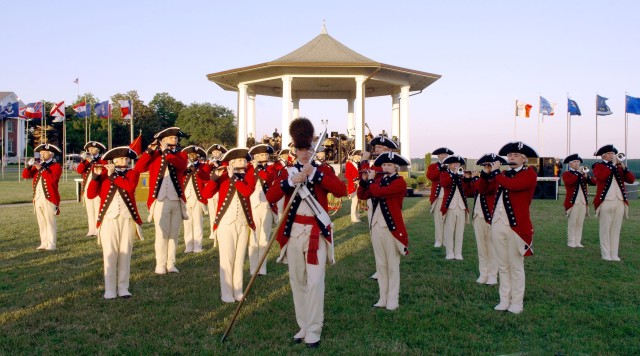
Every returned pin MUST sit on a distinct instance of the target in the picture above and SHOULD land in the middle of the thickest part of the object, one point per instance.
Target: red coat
(222, 185)
(50, 178)
(324, 181)
(102, 186)
(85, 168)
(516, 191)
(433, 174)
(451, 182)
(352, 174)
(387, 194)
(201, 175)
(575, 184)
(485, 188)
(605, 174)
(151, 160)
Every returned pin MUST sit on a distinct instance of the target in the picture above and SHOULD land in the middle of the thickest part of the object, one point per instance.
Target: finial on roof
(324, 28)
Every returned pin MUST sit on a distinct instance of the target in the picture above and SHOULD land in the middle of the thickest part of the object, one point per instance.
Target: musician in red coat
(215, 152)
(46, 197)
(435, 198)
(454, 208)
(233, 222)
(388, 232)
(305, 236)
(118, 220)
(285, 159)
(263, 213)
(511, 228)
(576, 201)
(91, 156)
(195, 177)
(352, 174)
(166, 166)
(611, 200)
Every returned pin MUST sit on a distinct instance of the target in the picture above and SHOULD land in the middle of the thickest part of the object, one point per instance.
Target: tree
(166, 109)
(208, 124)
(143, 119)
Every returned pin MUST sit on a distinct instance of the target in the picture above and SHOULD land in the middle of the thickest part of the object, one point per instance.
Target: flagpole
(131, 113)
(596, 150)
(109, 123)
(626, 125)
(3, 143)
(64, 148)
(515, 122)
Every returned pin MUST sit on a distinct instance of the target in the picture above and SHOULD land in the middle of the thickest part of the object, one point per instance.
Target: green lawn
(575, 303)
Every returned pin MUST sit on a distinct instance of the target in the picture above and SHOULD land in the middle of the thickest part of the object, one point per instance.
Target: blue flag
(602, 108)
(633, 105)
(572, 108)
(10, 110)
(102, 109)
(545, 107)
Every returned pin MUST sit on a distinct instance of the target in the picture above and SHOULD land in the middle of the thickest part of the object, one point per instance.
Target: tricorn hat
(442, 150)
(573, 157)
(454, 159)
(122, 151)
(384, 141)
(216, 147)
(301, 131)
(518, 147)
(285, 151)
(488, 158)
(95, 144)
(604, 149)
(236, 153)
(171, 131)
(195, 149)
(391, 157)
(261, 148)
(48, 147)
(355, 153)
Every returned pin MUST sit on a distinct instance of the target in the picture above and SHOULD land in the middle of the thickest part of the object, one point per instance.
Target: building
(12, 140)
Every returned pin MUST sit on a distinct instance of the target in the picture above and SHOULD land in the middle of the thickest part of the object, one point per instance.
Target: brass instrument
(31, 161)
(83, 155)
(621, 156)
(584, 169)
(460, 171)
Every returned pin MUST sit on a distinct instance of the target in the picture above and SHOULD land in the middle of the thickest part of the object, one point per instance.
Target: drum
(334, 204)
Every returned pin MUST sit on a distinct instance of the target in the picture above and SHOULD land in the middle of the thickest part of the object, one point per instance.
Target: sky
(489, 54)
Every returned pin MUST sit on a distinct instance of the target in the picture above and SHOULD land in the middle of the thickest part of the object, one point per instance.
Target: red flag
(34, 110)
(136, 145)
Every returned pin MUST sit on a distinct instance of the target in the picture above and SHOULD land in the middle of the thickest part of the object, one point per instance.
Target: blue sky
(489, 54)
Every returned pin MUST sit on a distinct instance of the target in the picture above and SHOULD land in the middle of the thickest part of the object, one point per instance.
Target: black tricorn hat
(236, 153)
(384, 141)
(441, 150)
(122, 151)
(355, 153)
(391, 157)
(216, 147)
(284, 151)
(48, 147)
(95, 144)
(490, 158)
(604, 149)
(518, 147)
(454, 159)
(301, 131)
(171, 131)
(573, 157)
(195, 149)
(261, 148)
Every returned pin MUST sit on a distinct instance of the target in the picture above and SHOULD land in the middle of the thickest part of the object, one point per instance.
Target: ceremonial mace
(227, 331)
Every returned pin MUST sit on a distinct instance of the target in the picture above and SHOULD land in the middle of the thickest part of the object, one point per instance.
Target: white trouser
(193, 228)
(116, 237)
(93, 209)
(212, 206)
(167, 215)
(437, 221)
(575, 220)
(387, 265)
(510, 264)
(487, 260)
(259, 241)
(46, 216)
(610, 215)
(354, 207)
(232, 242)
(454, 231)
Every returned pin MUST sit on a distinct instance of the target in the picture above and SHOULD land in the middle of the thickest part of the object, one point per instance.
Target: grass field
(575, 303)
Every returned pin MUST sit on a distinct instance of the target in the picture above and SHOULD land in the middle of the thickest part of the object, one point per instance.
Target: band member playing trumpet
(90, 157)
(166, 202)
(195, 177)
(233, 219)
(352, 173)
(388, 232)
(576, 202)
(285, 159)
(454, 208)
(46, 198)
(118, 220)
(263, 175)
(611, 201)
(215, 153)
(305, 236)
(435, 198)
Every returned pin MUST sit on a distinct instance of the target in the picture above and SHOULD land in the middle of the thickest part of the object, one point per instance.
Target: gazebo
(325, 69)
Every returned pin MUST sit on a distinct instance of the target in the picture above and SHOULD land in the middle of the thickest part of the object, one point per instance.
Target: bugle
(621, 156)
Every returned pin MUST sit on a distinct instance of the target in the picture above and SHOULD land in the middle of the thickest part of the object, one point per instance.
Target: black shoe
(297, 340)
(314, 345)
(126, 296)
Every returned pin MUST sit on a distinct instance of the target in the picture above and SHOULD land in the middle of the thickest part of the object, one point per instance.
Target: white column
(242, 115)
(395, 115)
(251, 116)
(286, 110)
(404, 123)
(296, 108)
(351, 129)
(359, 113)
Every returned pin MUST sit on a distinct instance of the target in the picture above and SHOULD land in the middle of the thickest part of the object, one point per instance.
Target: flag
(136, 145)
(602, 108)
(545, 107)
(102, 109)
(34, 110)
(82, 109)
(57, 111)
(572, 108)
(22, 113)
(10, 110)
(126, 109)
(633, 105)
(523, 109)
(77, 81)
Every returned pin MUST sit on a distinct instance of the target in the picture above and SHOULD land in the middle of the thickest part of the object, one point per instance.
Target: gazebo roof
(323, 68)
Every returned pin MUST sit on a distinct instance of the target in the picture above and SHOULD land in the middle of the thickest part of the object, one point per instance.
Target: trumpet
(31, 161)
(621, 156)
(584, 169)
(83, 155)
(460, 171)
